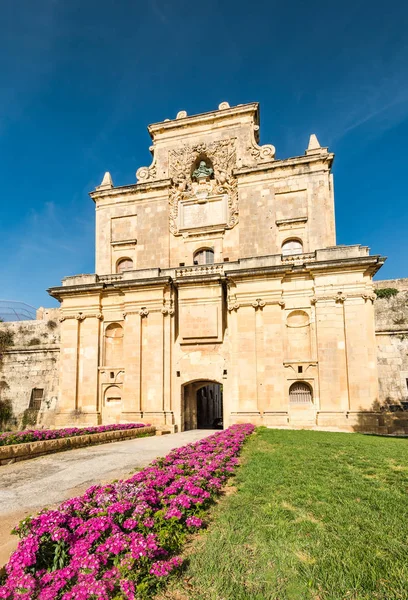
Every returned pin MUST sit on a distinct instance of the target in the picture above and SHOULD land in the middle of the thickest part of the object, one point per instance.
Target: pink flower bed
(121, 540)
(35, 435)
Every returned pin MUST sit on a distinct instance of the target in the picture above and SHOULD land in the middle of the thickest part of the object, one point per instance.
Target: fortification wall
(391, 317)
(29, 370)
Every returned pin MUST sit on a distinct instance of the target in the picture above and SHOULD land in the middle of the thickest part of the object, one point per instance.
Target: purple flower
(105, 533)
(193, 522)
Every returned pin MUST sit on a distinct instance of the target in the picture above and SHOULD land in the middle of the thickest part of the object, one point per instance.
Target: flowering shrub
(35, 435)
(121, 540)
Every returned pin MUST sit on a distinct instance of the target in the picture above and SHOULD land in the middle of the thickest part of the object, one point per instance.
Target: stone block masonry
(29, 369)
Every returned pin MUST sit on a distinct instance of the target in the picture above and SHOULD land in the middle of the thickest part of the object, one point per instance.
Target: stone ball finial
(181, 114)
(223, 106)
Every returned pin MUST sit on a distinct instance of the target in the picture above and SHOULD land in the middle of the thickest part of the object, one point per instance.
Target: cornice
(134, 188)
(324, 157)
(214, 115)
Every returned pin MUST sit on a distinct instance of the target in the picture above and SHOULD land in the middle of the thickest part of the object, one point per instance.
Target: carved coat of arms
(201, 173)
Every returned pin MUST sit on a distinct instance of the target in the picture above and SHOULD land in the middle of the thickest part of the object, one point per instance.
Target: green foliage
(6, 339)
(316, 515)
(6, 413)
(29, 418)
(386, 292)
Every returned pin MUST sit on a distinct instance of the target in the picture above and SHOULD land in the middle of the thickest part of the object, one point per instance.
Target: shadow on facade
(202, 405)
(388, 418)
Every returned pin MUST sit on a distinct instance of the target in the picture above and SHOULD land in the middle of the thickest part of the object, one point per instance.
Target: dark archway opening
(202, 403)
(209, 407)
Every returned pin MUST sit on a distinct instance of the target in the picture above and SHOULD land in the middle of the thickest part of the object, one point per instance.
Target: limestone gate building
(219, 290)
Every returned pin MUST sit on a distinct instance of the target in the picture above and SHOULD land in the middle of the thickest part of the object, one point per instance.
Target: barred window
(300, 393)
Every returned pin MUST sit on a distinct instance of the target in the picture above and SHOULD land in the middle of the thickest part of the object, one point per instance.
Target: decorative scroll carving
(261, 154)
(371, 297)
(222, 155)
(144, 174)
(143, 312)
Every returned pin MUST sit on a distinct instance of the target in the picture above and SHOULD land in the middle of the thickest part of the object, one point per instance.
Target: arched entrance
(202, 405)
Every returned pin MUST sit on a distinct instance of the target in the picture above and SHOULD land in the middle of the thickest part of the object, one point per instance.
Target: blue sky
(81, 80)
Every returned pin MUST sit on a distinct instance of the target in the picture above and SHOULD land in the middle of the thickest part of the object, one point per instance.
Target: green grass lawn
(316, 515)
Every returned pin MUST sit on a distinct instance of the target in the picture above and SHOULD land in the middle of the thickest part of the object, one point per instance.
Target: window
(291, 247)
(300, 393)
(204, 257)
(36, 398)
(124, 264)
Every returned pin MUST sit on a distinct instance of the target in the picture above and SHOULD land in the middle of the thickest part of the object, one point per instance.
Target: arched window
(300, 393)
(292, 247)
(124, 264)
(204, 257)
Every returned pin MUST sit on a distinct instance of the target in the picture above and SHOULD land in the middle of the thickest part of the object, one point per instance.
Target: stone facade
(220, 266)
(220, 296)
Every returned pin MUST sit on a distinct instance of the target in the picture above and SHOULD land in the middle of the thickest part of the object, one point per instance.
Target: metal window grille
(300, 393)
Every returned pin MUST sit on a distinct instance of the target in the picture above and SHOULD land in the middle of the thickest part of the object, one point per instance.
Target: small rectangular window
(37, 395)
(182, 264)
(300, 369)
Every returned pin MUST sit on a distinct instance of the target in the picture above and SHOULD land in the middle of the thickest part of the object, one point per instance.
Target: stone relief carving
(205, 180)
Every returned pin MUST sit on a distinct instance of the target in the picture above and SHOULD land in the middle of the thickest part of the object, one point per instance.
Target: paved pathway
(28, 486)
